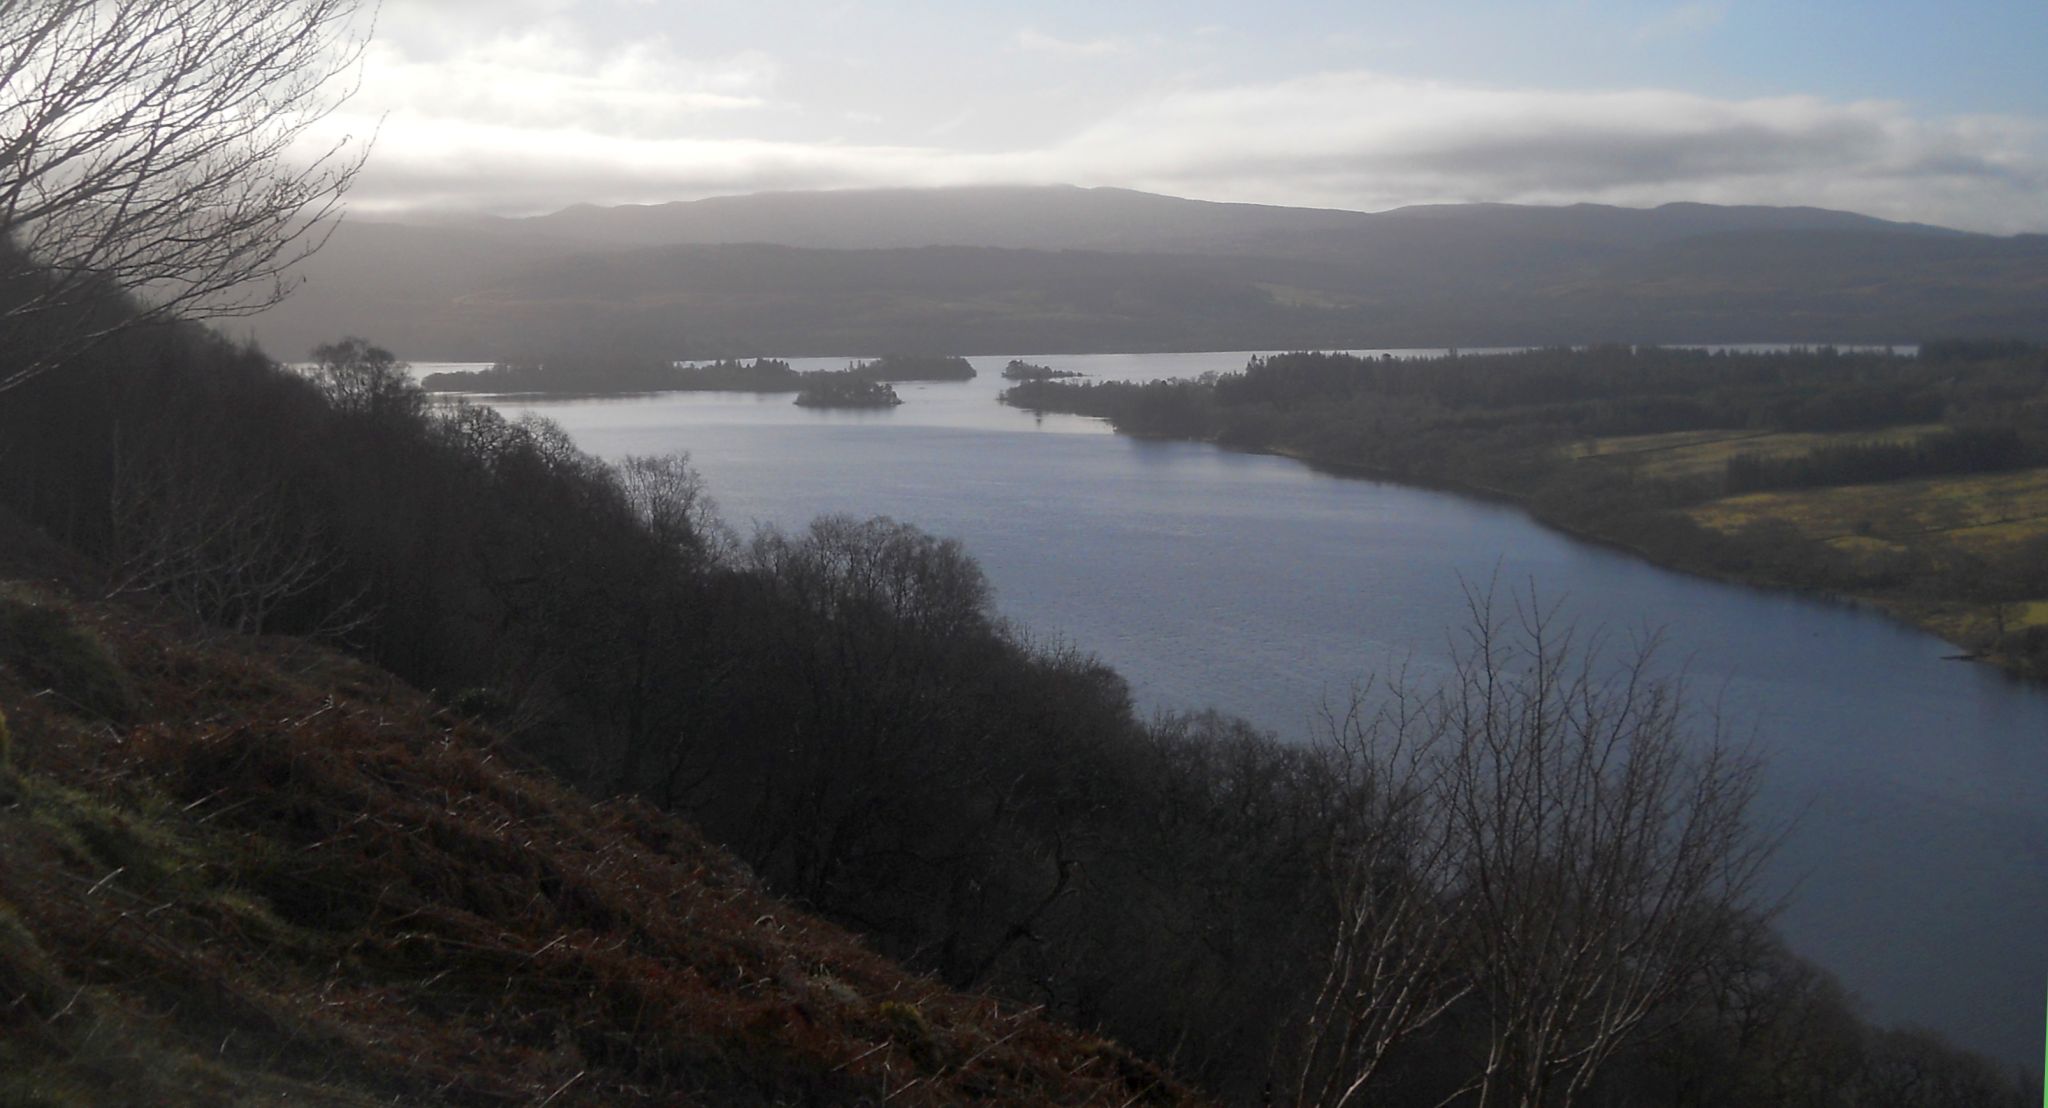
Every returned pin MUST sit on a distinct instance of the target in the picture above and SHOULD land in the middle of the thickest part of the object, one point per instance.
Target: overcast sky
(1926, 111)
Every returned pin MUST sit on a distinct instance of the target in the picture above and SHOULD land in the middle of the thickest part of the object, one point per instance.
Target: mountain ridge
(1100, 219)
(1440, 275)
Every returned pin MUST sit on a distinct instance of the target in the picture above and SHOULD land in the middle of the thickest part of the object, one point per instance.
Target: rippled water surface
(1918, 868)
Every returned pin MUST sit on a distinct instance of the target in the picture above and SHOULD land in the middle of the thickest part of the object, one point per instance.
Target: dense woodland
(1318, 922)
(914, 367)
(1516, 425)
(596, 375)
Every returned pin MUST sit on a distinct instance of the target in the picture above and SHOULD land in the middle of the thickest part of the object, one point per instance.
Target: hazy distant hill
(1123, 221)
(989, 270)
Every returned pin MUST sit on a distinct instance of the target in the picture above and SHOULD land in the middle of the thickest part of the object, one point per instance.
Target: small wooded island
(845, 390)
(600, 376)
(1021, 370)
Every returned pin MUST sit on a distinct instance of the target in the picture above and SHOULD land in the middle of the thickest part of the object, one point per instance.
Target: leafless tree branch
(163, 149)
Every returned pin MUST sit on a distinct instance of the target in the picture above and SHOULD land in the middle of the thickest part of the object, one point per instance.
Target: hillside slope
(241, 871)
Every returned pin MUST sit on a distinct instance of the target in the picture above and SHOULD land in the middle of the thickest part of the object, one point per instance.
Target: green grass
(1980, 511)
(1679, 455)
(1916, 548)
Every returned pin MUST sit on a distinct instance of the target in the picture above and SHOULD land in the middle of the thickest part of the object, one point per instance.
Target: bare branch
(1542, 843)
(158, 149)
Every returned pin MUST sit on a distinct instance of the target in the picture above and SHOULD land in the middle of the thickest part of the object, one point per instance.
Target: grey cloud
(1406, 141)
(1562, 156)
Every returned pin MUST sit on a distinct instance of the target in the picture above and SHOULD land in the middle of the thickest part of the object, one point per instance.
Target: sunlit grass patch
(1865, 545)
(1975, 511)
(1629, 446)
(1683, 454)
(1979, 626)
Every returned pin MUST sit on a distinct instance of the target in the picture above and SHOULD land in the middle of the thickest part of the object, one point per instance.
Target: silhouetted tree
(366, 379)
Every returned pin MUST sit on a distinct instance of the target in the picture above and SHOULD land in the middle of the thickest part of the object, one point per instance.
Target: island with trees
(845, 390)
(1021, 370)
(1918, 484)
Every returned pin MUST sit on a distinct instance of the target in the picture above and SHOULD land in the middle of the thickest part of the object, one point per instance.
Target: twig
(565, 1088)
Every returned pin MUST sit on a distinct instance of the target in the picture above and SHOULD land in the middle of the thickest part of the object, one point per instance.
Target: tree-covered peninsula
(604, 375)
(1916, 483)
(597, 377)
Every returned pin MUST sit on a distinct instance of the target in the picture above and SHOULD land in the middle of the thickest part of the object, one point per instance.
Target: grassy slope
(237, 871)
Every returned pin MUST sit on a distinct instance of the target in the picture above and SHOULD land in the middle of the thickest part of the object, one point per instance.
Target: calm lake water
(1917, 870)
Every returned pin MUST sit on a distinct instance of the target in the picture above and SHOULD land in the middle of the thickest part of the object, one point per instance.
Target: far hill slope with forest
(987, 270)
(1917, 484)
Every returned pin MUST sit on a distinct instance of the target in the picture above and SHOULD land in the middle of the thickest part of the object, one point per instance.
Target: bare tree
(1543, 848)
(224, 554)
(669, 497)
(160, 148)
(365, 379)
(1605, 849)
(1391, 969)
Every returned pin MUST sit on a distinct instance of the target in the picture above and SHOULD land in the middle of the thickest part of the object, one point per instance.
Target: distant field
(1683, 454)
(1975, 512)
(1881, 527)
(1878, 524)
